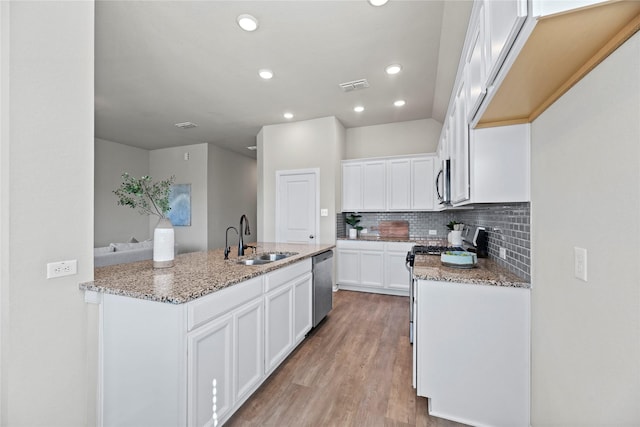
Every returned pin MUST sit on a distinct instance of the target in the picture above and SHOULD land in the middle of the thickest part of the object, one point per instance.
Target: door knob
(311, 236)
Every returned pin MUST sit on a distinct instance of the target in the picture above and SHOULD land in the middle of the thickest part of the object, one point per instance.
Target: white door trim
(281, 173)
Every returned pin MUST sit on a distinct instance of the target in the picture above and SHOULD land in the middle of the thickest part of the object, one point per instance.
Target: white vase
(456, 237)
(163, 244)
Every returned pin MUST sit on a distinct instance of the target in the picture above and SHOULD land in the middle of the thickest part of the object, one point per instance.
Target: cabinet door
(249, 352)
(422, 183)
(374, 185)
(399, 188)
(396, 273)
(372, 268)
(460, 155)
(348, 267)
(351, 187)
(278, 326)
(475, 67)
(210, 367)
(504, 19)
(302, 307)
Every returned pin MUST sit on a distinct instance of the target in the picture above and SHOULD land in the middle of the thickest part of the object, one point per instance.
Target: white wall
(393, 139)
(49, 347)
(115, 223)
(166, 162)
(232, 192)
(585, 192)
(301, 145)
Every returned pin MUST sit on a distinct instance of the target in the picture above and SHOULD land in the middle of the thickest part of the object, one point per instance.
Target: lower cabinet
(195, 364)
(377, 267)
(473, 352)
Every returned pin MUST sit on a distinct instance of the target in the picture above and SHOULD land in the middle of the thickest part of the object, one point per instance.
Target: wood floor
(354, 369)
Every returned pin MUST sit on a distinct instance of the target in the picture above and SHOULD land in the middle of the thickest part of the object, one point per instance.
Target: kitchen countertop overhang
(487, 272)
(194, 274)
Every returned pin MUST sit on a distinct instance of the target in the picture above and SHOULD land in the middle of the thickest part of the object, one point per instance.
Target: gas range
(434, 249)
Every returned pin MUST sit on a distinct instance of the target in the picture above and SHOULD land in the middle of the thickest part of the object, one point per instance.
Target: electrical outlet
(62, 268)
(580, 263)
(433, 232)
(503, 253)
(324, 212)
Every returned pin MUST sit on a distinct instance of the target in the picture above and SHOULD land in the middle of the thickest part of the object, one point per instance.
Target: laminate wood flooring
(354, 369)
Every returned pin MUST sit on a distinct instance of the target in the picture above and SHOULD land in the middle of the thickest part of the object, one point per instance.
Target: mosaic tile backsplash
(508, 226)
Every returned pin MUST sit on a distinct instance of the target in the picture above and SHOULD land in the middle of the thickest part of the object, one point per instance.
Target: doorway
(297, 202)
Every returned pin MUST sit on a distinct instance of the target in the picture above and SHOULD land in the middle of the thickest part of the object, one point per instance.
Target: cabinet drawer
(286, 274)
(211, 306)
(360, 245)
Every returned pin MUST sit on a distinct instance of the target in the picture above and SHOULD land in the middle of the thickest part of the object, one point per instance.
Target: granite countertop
(194, 274)
(487, 272)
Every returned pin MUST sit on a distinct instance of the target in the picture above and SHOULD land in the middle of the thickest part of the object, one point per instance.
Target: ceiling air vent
(186, 125)
(354, 85)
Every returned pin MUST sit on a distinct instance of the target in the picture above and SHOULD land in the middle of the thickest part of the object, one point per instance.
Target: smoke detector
(186, 125)
(354, 85)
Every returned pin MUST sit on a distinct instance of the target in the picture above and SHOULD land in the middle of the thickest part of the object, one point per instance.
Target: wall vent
(354, 85)
(186, 125)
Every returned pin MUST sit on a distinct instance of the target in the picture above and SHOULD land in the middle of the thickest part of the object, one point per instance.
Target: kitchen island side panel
(142, 346)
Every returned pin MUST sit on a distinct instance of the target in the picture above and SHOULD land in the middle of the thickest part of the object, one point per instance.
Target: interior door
(297, 206)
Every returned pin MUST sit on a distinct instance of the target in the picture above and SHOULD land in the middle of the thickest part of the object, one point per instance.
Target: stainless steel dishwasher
(322, 285)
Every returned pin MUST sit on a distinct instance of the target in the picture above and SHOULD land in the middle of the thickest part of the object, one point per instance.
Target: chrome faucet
(227, 248)
(247, 231)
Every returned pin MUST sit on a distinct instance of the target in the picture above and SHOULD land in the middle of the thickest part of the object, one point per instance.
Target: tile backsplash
(508, 226)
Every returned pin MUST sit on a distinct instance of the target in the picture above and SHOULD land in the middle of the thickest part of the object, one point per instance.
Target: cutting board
(394, 229)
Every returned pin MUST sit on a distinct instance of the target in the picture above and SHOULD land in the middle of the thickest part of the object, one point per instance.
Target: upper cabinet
(388, 184)
(519, 56)
(535, 52)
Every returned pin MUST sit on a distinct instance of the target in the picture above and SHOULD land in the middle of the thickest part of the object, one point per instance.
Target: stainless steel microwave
(443, 183)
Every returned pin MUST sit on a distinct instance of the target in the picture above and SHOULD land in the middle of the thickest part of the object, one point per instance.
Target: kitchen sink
(254, 261)
(265, 258)
(273, 257)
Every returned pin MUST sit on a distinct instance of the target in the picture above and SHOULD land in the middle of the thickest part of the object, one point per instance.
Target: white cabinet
(499, 165)
(460, 148)
(374, 181)
(279, 326)
(363, 186)
(400, 177)
(474, 67)
(210, 365)
(503, 20)
(162, 364)
(400, 183)
(422, 183)
(395, 269)
(288, 310)
(352, 186)
(377, 267)
(473, 352)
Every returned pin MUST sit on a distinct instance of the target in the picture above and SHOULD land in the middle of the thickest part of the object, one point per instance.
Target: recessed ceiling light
(265, 74)
(399, 103)
(288, 116)
(393, 69)
(247, 22)
(378, 2)
(252, 148)
(358, 109)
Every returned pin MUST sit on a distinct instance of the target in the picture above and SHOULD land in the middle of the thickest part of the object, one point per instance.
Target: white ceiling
(163, 62)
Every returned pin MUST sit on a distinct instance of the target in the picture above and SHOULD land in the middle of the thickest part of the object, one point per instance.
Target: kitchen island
(188, 345)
